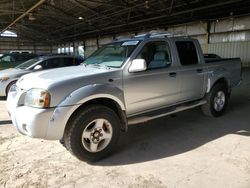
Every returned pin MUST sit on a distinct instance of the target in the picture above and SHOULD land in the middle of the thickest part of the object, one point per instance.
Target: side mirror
(38, 67)
(138, 65)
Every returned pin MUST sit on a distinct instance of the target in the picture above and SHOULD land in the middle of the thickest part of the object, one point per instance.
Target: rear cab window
(187, 53)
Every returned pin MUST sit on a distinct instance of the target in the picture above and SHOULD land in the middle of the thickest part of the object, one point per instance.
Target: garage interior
(184, 150)
(74, 26)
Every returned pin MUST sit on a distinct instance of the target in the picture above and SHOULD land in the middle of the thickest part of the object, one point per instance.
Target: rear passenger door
(192, 72)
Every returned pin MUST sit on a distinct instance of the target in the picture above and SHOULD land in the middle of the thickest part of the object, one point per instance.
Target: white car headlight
(38, 98)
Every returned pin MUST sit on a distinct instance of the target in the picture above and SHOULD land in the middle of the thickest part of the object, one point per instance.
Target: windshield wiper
(100, 65)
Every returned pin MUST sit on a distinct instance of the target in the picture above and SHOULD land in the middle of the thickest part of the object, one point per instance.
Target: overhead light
(52, 2)
(80, 18)
(146, 4)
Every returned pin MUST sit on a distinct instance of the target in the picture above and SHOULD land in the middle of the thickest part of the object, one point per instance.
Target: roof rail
(155, 34)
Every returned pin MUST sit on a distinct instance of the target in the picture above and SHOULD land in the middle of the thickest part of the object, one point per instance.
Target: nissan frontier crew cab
(124, 82)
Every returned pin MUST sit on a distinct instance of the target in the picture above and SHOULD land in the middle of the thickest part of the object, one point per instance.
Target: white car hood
(12, 72)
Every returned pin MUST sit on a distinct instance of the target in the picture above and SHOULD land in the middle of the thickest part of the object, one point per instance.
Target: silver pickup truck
(123, 83)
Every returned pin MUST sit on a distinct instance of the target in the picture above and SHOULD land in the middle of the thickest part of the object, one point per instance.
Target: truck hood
(46, 79)
(72, 76)
(13, 73)
(61, 82)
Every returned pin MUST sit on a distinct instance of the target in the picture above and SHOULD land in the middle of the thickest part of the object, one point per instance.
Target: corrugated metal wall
(229, 37)
(230, 50)
(8, 44)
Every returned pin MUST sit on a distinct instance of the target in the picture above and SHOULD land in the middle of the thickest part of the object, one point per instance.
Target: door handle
(172, 74)
(199, 70)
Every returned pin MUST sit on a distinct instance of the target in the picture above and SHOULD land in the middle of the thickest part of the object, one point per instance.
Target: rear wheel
(93, 133)
(217, 100)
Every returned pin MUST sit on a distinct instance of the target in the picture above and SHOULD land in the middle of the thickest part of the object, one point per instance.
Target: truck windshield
(112, 55)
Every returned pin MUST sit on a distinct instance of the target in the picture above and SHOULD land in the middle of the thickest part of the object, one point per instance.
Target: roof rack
(155, 34)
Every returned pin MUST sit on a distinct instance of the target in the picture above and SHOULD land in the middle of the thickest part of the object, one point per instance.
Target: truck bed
(213, 60)
(231, 67)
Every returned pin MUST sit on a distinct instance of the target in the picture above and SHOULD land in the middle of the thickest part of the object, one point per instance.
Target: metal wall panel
(230, 24)
(230, 37)
(7, 44)
(105, 40)
(231, 50)
(90, 46)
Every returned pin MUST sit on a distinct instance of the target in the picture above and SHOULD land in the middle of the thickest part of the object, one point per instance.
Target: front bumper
(3, 86)
(30, 121)
(46, 123)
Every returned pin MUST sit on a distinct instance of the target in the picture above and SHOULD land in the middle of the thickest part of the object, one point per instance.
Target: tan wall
(8, 44)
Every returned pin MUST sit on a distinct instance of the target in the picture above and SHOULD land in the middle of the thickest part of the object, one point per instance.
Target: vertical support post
(97, 41)
(84, 49)
(34, 48)
(208, 26)
(74, 49)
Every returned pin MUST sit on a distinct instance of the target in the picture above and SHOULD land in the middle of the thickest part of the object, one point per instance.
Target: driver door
(158, 86)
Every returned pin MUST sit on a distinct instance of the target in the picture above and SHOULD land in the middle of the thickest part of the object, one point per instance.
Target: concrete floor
(189, 150)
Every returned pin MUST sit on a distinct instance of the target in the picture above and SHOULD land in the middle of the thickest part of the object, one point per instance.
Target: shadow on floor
(189, 130)
(5, 122)
(3, 98)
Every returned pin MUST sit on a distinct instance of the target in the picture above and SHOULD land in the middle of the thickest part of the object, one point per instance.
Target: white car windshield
(28, 63)
(112, 55)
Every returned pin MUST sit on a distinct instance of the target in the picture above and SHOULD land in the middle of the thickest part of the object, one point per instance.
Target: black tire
(61, 141)
(209, 108)
(80, 122)
(9, 86)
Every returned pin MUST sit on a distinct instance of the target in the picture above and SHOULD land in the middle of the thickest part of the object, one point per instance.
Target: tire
(9, 86)
(92, 133)
(61, 141)
(217, 100)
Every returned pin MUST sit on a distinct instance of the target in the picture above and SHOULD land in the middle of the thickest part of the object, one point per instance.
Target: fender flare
(213, 78)
(94, 91)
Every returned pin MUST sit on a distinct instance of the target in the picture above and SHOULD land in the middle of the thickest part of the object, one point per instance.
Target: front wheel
(9, 86)
(92, 133)
(217, 100)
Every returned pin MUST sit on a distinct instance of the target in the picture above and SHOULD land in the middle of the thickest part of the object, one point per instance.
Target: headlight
(38, 98)
(2, 79)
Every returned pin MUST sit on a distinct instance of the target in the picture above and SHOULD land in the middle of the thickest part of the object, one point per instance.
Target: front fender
(94, 91)
(73, 101)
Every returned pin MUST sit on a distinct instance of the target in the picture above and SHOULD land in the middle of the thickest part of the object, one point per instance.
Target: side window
(7, 58)
(50, 63)
(156, 54)
(187, 52)
(78, 61)
(68, 61)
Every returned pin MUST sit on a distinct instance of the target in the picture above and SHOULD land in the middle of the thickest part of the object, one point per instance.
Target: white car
(9, 77)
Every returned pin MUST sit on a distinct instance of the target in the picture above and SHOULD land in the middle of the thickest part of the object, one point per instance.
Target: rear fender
(216, 75)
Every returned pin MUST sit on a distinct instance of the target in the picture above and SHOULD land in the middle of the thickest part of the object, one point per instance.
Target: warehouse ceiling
(66, 20)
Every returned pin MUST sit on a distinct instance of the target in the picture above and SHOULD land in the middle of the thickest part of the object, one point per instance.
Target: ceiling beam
(75, 2)
(104, 3)
(40, 2)
(154, 18)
